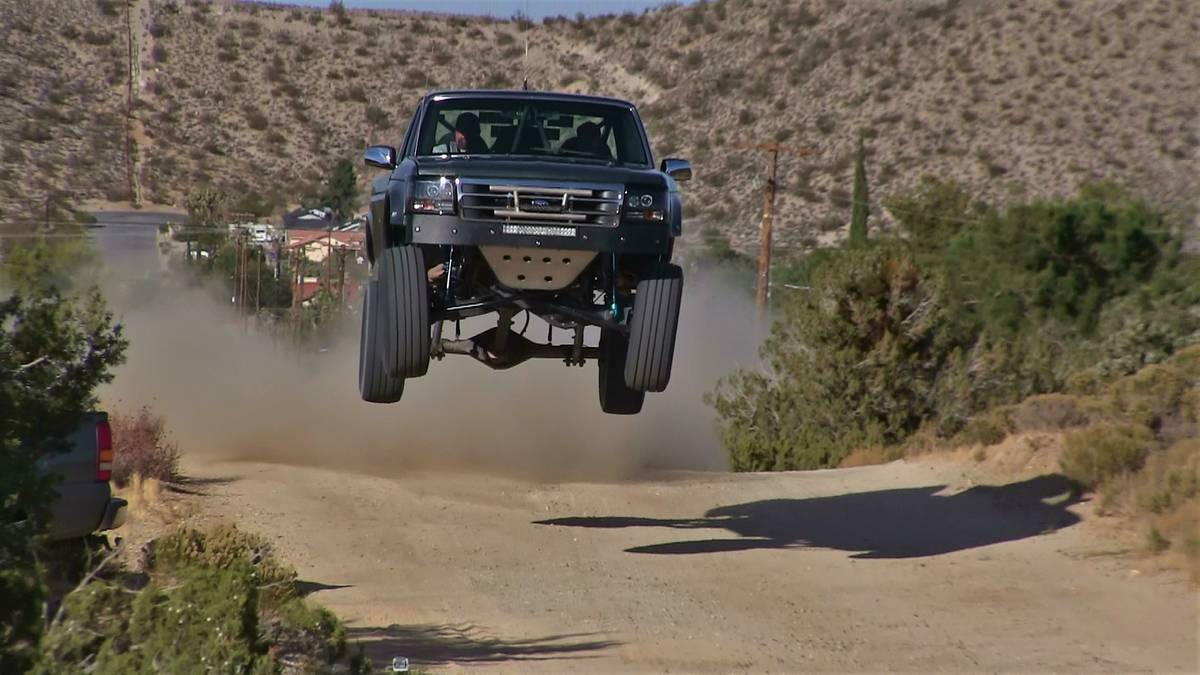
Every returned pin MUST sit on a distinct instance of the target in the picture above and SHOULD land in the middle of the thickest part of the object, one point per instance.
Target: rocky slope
(1019, 97)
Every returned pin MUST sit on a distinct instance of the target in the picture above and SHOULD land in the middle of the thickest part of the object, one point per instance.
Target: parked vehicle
(511, 202)
(84, 504)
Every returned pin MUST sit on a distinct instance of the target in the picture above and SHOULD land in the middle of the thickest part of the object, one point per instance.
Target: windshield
(564, 129)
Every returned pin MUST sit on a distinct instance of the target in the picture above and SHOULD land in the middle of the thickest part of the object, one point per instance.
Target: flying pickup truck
(512, 202)
(84, 503)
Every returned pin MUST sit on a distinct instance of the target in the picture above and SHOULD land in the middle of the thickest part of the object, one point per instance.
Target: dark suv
(523, 202)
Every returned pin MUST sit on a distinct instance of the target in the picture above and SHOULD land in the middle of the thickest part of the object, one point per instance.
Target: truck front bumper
(627, 238)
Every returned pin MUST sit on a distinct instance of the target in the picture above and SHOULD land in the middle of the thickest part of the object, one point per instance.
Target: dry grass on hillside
(1024, 96)
(62, 69)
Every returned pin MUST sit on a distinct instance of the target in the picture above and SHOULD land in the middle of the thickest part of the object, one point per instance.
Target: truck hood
(486, 167)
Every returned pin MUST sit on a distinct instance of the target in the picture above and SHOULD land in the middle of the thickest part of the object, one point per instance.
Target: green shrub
(1100, 452)
(1170, 478)
(1156, 542)
(356, 92)
(309, 629)
(255, 118)
(987, 429)
(1159, 394)
(36, 131)
(98, 38)
(215, 600)
(222, 546)
(377, 117)
(974, 307)
(1049, 412)
(204, 620)
(55, 349)
(852, 362)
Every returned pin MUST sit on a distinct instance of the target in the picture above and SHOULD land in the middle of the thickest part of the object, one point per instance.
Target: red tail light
(104, 451)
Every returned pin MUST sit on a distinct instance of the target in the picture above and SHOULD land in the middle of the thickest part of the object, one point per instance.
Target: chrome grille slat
(532, 201)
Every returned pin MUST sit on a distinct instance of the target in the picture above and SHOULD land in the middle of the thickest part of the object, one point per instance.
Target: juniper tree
(859, 208)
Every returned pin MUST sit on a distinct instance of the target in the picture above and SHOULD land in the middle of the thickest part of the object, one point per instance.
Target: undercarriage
(570, 308)
(414, 310)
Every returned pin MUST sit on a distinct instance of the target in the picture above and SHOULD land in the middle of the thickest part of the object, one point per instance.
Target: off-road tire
(615, 397)
(404, 291)
(652, 328)
(375, 384)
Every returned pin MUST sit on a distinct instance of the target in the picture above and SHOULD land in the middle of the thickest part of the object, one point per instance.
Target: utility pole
(762, 289)
(329, 263)
(257, 283)
(341, 279)
(298, 256)
(237, 271)
(244, 300)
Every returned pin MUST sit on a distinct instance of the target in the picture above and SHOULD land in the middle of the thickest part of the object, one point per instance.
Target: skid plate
(536, 268)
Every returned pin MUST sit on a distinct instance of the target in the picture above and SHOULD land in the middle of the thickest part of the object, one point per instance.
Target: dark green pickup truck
(522, 203)
(85, 503)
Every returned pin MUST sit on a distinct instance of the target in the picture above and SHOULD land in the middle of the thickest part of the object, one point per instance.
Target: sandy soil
(906, 566)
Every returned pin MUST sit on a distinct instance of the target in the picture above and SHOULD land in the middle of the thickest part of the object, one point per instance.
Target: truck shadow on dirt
(434, 644)
(306, 588)
(197, 487)
(900, 523)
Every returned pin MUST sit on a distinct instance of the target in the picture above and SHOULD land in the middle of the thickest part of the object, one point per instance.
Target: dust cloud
(229, 393)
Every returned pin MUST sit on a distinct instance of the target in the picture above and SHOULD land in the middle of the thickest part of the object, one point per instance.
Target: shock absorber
(448, 293)
(614, 300)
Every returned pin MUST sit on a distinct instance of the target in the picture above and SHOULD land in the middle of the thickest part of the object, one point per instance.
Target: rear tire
(404, 291)
(615, 397)
(652, 328)
(375, 384)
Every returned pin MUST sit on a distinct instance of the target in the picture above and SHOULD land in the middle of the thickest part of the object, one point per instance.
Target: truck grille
(539, 202)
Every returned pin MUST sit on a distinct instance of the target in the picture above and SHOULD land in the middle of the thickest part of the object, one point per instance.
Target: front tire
(375, 383)
(404, 291)
(615, 397)
(652, 328)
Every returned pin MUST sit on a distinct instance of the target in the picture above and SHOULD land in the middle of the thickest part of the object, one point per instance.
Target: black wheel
(615, 397)
(375, 384)
(652, 328)
(404, 291)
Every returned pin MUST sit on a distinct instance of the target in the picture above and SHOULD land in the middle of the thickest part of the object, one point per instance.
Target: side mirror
(679, 169)
(380, 156)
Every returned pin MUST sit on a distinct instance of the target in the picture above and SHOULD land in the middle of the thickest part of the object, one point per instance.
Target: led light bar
(539, 230)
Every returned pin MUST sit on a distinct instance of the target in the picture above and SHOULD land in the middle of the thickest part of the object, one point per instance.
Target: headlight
(643, 206)
(432, 195)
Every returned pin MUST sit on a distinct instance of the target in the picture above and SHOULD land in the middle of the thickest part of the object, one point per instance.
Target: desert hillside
(63, 66)
(1019, 97)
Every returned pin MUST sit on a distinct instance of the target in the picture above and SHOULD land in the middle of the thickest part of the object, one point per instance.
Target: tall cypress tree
(859, 210)
(341, 189)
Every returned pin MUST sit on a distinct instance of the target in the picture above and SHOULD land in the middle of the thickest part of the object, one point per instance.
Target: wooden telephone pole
(763, 287)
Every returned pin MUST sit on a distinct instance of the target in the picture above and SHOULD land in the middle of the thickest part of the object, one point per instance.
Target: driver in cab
(467, 137)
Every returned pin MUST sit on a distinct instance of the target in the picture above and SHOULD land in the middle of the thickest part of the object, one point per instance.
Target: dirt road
(878, 568)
